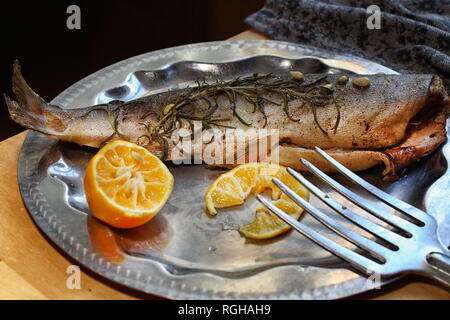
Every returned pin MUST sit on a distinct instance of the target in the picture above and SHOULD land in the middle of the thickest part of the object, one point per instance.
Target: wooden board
(31, 267)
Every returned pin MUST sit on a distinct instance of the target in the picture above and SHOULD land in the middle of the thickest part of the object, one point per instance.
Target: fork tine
(401, 206)
(371, 227)
(360, 262)
(373, 248)
(389, 218)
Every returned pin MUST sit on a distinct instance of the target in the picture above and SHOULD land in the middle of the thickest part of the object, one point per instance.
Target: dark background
(54, 57)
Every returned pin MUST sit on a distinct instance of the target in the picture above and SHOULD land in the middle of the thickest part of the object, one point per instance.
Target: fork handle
(438, 267)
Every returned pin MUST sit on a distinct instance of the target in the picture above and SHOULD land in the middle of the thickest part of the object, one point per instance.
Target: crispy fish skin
(424, 133)
(396, 121)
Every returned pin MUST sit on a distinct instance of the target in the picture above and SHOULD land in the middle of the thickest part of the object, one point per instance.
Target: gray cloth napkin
(414, 36)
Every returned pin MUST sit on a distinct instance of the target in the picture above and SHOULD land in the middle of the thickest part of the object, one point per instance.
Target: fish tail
(30, 110)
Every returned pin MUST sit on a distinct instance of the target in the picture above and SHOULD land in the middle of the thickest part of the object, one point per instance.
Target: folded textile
(413, 36)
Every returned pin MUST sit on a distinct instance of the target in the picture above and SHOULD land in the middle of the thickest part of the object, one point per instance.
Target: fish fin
(26, 97)
(30, 110)
(23, 116)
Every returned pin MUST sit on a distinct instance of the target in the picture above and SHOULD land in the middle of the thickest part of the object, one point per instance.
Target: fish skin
(375, 122)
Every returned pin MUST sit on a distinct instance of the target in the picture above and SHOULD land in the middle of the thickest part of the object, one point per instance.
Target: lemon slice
(233, 187)
(126, 185)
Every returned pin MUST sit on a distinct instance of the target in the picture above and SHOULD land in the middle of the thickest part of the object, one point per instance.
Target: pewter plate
(183, 253)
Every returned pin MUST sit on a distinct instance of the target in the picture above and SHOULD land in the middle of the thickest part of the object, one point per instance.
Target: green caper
(362, 82)
(297, 75)
(342, 80)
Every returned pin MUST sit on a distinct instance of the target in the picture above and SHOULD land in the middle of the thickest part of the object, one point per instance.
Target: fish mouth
(424, 134)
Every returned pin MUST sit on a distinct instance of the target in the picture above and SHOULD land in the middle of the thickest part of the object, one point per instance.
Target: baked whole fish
(393, 120)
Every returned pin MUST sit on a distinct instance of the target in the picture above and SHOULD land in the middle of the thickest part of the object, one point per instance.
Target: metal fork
(415, 249)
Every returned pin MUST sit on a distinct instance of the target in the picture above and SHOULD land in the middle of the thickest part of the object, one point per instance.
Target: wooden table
(31, 267)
